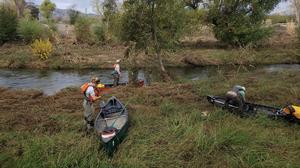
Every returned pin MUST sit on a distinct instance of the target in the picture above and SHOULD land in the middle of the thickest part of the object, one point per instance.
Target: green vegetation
(8, 25)
(83, 29)
(47, 8)
(237, 23)
(73, 15)
(280, 18)
(171, 125)
(30, 30)
(99, 33)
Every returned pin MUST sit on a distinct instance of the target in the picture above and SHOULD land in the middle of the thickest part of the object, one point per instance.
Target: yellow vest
(296, 113)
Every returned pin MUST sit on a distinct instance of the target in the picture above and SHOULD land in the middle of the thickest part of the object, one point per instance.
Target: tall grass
(167, 130)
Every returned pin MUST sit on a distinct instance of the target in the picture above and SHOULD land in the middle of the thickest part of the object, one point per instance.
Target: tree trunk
(157, 48)
(297, 10)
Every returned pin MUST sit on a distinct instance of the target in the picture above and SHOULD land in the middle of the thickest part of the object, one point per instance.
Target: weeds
(167, 127)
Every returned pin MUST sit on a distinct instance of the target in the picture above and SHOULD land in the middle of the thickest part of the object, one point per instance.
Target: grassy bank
(85, 56)
(168, 127)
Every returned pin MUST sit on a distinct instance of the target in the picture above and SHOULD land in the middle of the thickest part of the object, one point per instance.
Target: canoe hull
(111, 146)
(253, 109)
(112, 116)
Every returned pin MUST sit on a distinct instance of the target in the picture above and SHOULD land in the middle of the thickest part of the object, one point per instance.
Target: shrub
(30, 30)
(280, 18)
(41, 48)
(99, 33)
(82, 30)
(8, 25)
(234, 23)
(298, 33)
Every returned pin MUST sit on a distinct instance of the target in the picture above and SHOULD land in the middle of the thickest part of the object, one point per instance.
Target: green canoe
(112, 124)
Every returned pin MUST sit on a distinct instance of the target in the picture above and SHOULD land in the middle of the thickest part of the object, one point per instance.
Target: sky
(85, 5)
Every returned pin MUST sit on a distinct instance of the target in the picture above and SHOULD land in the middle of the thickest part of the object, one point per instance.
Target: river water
(51, 81)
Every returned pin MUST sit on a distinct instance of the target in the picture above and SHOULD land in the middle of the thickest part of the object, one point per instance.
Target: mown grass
(169, 127)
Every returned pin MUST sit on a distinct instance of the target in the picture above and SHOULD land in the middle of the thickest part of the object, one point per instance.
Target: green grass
(168, 129)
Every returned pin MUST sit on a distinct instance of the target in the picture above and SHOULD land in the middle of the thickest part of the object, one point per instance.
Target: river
(52, 81)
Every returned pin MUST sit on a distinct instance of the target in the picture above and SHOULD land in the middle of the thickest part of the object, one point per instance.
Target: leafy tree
(83, 29)
(73, 15)
(47, 8)
(240, 22)
(154, 25)
(8, 24)
(34, 11)
(297, 10)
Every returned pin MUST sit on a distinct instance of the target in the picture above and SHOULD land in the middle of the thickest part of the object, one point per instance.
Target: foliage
(109, 8)
(30, 30)
(8, 24)
(99, 33)
(47, 8)
(73, 15)
(34, 11)
(194, 21)
(280, 18)
(240, 22)
(41, 48)
(83, 29)
(142, 20)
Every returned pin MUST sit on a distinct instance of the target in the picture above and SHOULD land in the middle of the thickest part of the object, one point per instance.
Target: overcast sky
(85, 5)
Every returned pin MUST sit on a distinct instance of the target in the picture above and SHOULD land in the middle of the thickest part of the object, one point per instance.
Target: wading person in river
(237, 97)
(116, 73)
(90, 94)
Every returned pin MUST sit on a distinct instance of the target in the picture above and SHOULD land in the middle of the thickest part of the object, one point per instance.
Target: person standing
(116, 73)
(90, 96)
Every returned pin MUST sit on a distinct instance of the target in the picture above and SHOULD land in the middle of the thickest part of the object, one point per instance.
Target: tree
(73, 15)
(297, 10)
(153, 25)
(239, 22)
(8, 24)
(47, 8)
(34, 11)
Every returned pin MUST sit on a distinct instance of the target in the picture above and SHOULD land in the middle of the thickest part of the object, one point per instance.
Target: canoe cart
(251, 109)
(112, 124)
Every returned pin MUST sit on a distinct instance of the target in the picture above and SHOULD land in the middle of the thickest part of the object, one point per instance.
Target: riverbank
(171, 125)
(102, 57)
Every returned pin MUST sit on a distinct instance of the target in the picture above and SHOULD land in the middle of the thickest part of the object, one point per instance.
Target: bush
(41, 48)
(99, 33)
(280, 18)
(30, 30)
(235, 25)
(83, 30)
(8, 25)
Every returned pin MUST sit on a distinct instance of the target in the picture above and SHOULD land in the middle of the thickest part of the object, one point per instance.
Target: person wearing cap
(116, 73)
(236, 96)
(90, 96)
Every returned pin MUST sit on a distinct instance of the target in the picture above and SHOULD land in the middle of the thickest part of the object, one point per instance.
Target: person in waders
(237, 97)
(116, 73)
(90, 94)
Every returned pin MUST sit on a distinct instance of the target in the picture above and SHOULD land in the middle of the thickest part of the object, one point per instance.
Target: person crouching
(236, 97)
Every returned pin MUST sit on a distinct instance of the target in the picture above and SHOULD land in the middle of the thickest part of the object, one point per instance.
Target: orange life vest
(84, 87)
